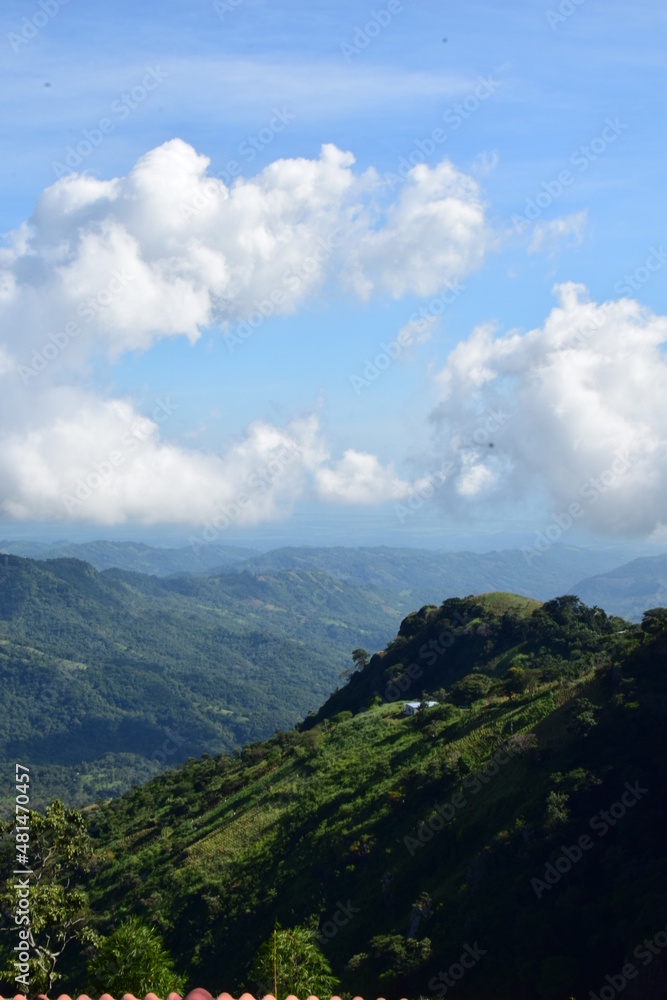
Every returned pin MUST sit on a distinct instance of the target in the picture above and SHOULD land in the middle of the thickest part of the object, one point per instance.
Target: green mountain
(419, 575)
(628, 590)
(115, 675)
(134, 556)
(508, 842)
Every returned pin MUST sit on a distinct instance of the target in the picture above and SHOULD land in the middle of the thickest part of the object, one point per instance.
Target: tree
(654, 621)
(392, 961)
(134, 960)
(557, 810)
(291, 963)
(516, 681)
(360, 658)
(59, 856)
(584, 716)
(470, 688)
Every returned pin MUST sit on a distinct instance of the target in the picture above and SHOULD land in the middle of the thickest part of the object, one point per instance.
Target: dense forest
(518, 823)
(116, 675)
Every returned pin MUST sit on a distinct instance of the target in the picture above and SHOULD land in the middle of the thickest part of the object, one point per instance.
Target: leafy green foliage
(470, 688)
(59, 858)
(326, 820)
(134, 960)
(392, 960)
(290, 962)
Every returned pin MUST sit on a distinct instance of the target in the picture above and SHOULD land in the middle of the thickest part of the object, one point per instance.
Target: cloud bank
(571, 412)
(104, 267)
(170, 250)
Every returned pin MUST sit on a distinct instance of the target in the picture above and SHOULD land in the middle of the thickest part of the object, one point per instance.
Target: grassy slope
(218, 851)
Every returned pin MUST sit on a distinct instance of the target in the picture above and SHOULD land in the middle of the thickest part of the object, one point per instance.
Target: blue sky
(524, 94)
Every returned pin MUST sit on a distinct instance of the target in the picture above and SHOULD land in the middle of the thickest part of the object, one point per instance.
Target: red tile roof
(196, 994)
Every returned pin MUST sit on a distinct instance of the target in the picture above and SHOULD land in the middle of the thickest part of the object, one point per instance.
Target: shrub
(134, 960)
(470, 688)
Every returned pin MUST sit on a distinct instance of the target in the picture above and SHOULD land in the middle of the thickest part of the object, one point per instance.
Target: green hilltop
(402, 841)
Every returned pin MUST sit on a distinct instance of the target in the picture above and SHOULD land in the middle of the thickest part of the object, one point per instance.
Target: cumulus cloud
(102, 462)
(359, 478)
(549, 236)
(169, 249)
(571, 412)
(408, 253)
(104, 267)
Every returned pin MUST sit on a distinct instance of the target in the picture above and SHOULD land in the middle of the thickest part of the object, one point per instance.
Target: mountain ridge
(425, 825)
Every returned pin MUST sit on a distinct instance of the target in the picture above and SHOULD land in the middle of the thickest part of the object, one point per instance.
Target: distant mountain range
(628, 590)
(133, 556)
(414, 576)
(102, 666)
(420, 576)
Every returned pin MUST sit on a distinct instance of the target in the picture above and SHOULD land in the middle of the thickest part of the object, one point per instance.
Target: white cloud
(107, 267)
(359, 478)
(408, 254)
(570, 412)
(549, 236)
(101, 462)
(169, 250)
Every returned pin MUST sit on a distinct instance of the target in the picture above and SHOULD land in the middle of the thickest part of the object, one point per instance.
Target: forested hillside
(99, 670)
(134, 556)
(521, 820)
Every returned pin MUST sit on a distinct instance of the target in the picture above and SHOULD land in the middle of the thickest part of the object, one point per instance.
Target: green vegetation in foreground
(106, 678)
(398, 842)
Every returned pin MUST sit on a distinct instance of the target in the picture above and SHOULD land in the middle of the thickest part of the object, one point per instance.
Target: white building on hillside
(412, 707)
